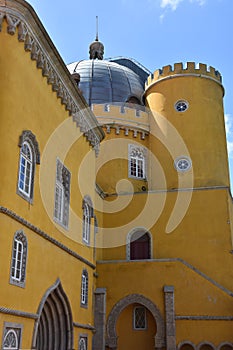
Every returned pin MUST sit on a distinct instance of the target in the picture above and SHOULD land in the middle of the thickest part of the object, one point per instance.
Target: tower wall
(200, 126)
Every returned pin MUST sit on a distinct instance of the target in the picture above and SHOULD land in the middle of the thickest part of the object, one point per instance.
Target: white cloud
(170, 3)
(173, 4)
(229, 134)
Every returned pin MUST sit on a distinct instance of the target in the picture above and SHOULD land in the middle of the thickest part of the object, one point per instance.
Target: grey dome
(102, 81)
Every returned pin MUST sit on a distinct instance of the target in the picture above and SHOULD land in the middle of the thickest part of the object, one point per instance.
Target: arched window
(84, 288)
(140, 245)
(10, 341)
(29, 156)
(82, 343)
(137, 162)
(25, 169)
(87, 215)
(19, 258)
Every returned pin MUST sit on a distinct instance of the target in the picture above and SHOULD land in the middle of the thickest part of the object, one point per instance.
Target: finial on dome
(96, 49)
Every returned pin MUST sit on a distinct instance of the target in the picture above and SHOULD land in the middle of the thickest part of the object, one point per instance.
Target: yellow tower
(189, 101)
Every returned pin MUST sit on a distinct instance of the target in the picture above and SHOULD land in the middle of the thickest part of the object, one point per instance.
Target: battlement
(192, 69)
(122, 114)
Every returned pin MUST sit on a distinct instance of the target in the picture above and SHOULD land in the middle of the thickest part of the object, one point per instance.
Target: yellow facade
(99, 184)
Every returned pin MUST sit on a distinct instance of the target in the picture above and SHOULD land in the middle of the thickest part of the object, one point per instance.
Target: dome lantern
(96, 48)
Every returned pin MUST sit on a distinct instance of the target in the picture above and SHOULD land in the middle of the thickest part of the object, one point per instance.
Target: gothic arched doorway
(54, 327)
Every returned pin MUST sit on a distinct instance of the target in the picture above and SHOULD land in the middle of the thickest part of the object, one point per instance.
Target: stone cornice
(22, 20)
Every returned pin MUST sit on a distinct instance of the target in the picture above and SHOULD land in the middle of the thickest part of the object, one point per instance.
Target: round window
(183, 164)
(181, 106)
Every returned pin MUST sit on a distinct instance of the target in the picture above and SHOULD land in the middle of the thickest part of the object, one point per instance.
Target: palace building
(116, 212)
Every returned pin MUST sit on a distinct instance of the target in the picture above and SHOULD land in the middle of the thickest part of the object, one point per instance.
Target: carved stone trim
(5, 310)
(84, 326)
(18, 23)
(44, 235)
(170, 317)
(28, 136)
(204, 318)
(111, 340)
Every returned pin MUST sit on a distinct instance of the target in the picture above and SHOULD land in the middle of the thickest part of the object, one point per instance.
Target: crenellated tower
(189, 101)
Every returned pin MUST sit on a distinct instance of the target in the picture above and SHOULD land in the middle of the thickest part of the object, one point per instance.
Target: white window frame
(12, 336)
(15, 339)
(136, 162)
(62, 195)
(134, 318)
(84, 288)
(25, 180)
(82, 344)
(86, 223)
(59, 202)
(17, 260)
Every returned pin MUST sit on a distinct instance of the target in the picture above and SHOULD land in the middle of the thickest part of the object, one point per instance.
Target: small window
(62, 195)
(139, 318)
(183, 163)
(87, 215)
(181, 106)
(11, 336)
(137, 163)
(84, 288)
(82, 343)
(29, 156)
(19, 258)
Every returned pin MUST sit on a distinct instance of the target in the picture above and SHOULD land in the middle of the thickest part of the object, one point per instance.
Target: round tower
(187, 105)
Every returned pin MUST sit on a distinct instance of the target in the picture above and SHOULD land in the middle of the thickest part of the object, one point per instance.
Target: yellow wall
(194, 295)
(28, 103)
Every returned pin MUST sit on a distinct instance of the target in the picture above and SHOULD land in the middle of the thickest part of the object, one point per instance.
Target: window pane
(139, 318)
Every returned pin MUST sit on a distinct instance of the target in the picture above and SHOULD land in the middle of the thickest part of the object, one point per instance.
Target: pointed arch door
(54, 328)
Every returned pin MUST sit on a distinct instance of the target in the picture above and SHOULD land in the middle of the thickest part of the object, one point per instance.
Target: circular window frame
(184, 103)
(184, 159)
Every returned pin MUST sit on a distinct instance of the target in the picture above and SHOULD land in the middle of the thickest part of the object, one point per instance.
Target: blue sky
(154, 32)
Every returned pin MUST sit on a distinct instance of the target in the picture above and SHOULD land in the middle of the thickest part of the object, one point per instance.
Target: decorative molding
(111, 341)
(203, 318)
(56, 300)
(136, 132)
(44, 235)
(56, 73)
(84, 326)
(5, 310)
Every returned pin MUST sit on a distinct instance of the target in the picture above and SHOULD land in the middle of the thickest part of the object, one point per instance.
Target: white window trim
(59, 202)
(131, 148)
(84, 288)
(16, 260)
(82, 342)
(16, 340)
(86, 223)
(182, 158)
(27, 162)
(18, 265)
(61, 216)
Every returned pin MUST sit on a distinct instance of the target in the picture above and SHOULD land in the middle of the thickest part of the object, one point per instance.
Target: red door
(140, 248)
